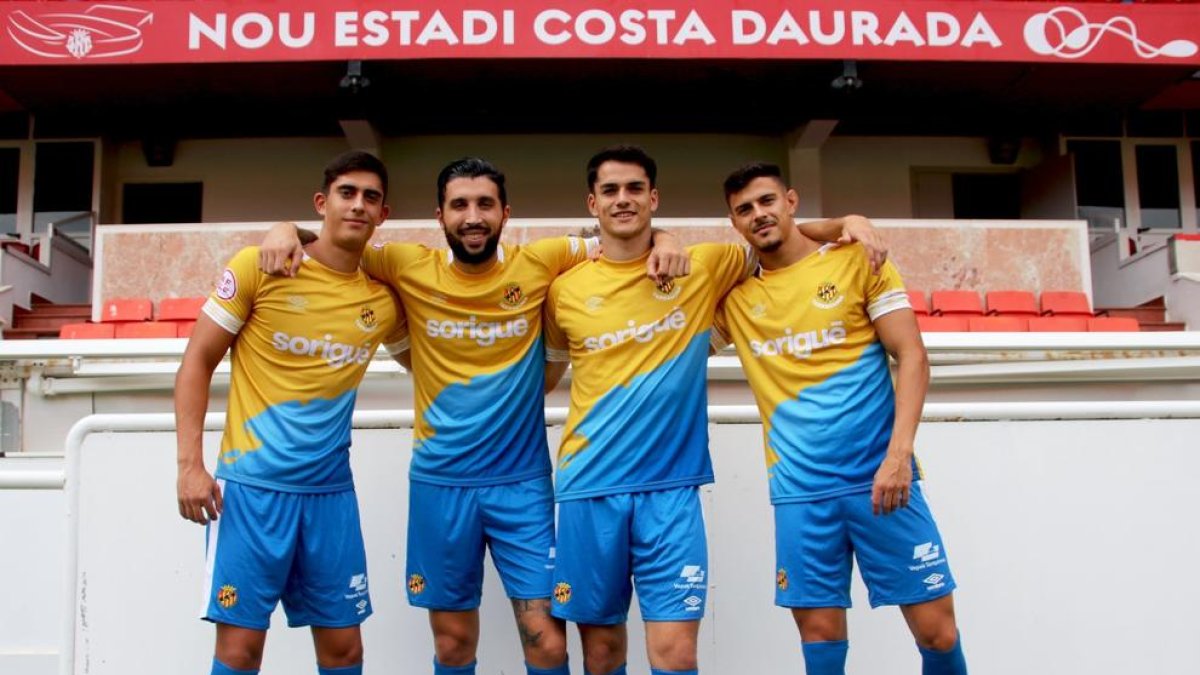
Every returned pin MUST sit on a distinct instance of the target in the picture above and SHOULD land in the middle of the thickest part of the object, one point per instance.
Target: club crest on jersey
(416, 584)
(666, 289)
(366, 320)
(781, 579)
(562, 593)
(828, 296)
(514, 297)
(227, 596)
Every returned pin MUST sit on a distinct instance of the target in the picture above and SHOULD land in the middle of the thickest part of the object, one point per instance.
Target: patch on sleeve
(227, 287)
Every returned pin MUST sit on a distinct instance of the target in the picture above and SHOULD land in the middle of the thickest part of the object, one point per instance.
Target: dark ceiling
(517, 96)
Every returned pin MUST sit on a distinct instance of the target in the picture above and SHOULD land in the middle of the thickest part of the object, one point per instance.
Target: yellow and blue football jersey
(638, 415)
(302, 347)
(818, 371)
(478, 357)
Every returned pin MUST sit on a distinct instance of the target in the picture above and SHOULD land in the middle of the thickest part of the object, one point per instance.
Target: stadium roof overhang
(261, 68)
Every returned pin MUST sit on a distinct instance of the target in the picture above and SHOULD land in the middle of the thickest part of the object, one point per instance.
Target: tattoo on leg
(530, 609)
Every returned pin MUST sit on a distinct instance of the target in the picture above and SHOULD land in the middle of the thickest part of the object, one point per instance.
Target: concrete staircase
(1151, 315)
(44, 318)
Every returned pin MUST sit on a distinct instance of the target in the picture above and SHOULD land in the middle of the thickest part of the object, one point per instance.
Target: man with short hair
(480, 472)
(635, 447)
(813, 330)
(288, 526)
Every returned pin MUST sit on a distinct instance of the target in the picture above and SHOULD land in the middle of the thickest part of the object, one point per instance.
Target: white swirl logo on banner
(1066, 33)
(100, 31)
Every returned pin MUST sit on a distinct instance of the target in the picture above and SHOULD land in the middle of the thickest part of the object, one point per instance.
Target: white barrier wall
(1071, 542)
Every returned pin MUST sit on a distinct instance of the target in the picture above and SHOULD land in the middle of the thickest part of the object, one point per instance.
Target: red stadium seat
(917, 300)
(1058, 324)
(998, 324)
(126, 309)
(1114, 324)
(180, 309)
(1012, 303)
(183, 329)
(86, 331)
(145, 329)
(1066, 303)
(942, 324)
(956, 302)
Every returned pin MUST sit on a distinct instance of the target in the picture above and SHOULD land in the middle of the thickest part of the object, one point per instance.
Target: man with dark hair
(289, 527)
(813, 330)
(480, 472)
(635, 447)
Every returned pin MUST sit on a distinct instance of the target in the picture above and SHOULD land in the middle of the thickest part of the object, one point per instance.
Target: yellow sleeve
(729, 264)
(397, 341)
(558, 348)
(560, 254)
(232, 301)
(884, 292)
(721, 337)
(385, 262)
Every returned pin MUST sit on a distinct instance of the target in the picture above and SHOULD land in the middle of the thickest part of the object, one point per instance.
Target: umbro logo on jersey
(297, 302)
(693, 603)
(758, 311)
(934, 581)
(593, 303)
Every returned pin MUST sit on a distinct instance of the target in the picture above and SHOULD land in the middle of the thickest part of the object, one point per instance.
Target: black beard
(461, 252)
(771, 247)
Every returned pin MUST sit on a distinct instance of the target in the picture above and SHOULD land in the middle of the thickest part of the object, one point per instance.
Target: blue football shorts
(450, 526)
(900, 555)
(304, 549)
(608, 545)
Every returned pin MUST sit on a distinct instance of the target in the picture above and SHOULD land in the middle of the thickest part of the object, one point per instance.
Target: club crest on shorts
(562, 592)
(366, 321)
(667, 289)
(828, 295)
(513, 298)
(781, 579)
(227, 596)
(416, 584)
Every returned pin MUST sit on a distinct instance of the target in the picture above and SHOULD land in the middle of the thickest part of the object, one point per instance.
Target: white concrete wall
(1068, 540)
(1183, 299)
(1130, 282)
(68, 279)
(873, 176)
(546, 172)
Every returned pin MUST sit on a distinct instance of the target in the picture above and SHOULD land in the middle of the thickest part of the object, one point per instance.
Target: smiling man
(813, 330)
(480, 472)
(635, 447)
(282, 514)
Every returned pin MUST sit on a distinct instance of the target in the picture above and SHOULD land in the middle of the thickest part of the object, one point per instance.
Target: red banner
(204, 31)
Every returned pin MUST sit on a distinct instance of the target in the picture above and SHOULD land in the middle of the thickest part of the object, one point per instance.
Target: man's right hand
(281, 252)
(199, 495)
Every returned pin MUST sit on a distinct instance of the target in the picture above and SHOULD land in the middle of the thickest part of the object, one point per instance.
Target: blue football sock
(557, 670)
(439, 669)
(825, 658)
(219, 668)
(950, 662)
(355, 669)
(659, 671)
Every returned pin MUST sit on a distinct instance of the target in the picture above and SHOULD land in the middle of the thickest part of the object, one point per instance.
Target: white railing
(403, 419)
